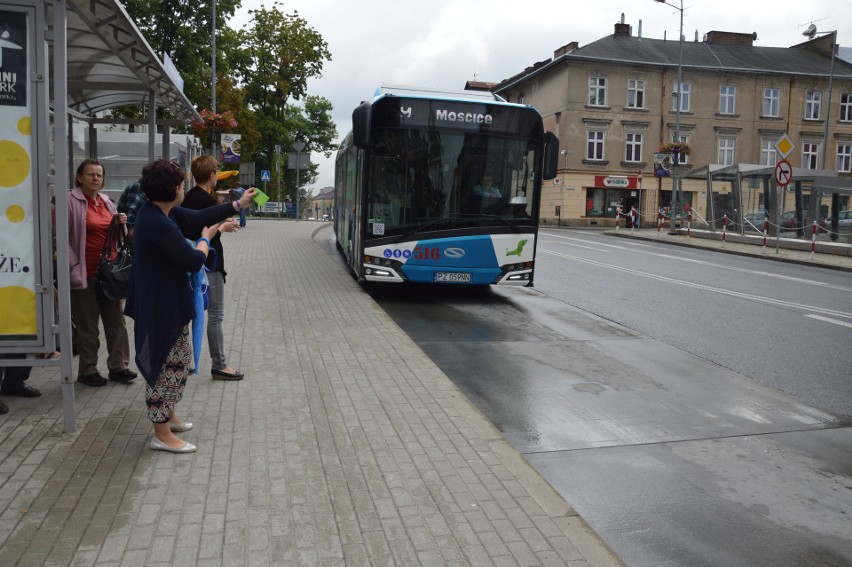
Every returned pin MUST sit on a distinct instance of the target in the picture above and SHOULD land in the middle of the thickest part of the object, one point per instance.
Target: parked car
(788, 222)
(844, 220)
(754, 221)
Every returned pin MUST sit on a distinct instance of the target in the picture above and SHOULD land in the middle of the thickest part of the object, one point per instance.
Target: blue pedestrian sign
(264, 175)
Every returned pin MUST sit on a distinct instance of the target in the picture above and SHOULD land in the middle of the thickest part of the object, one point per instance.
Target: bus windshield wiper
(453, 216)
(426, 226)
(505, 221)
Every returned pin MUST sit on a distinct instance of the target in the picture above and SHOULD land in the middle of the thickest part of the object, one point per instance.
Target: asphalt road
(641, 382)
(786, 326)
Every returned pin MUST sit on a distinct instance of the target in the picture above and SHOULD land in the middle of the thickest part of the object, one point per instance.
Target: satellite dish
(810, 31)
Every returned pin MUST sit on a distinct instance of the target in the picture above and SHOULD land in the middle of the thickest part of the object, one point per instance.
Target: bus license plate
(452, 277)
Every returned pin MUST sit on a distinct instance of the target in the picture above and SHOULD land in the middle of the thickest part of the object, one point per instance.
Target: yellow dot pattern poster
(18, 313)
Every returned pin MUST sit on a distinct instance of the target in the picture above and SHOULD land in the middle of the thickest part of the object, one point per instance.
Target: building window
(633, 147)
(603, 202)
(685, 89)
(727, 145)
(595, 147)
(810, 155)
(771, 101)
(768, 155)
(597, 91)
(635, 93)
(727, 98)
(846, 107)
(682, 159)
(813, 101)
(844, 158)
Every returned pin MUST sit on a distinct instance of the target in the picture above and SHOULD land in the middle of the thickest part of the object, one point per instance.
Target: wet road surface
(674, 460)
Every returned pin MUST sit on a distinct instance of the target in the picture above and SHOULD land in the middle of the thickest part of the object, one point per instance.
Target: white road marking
(710, 264)
(721, 291)
(827, 320)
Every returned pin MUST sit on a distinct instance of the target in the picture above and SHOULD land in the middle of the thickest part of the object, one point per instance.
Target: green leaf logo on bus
(519, 249)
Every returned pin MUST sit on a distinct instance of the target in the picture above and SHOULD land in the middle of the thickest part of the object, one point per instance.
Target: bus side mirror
(551, 156)
(361, 125)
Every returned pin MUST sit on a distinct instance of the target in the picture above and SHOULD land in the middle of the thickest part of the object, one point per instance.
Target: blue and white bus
(436, 186)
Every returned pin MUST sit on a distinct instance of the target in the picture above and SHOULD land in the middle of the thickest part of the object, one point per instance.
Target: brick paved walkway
(345, 445)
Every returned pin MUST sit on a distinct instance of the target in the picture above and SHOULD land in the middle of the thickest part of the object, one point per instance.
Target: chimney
(730, 38)
(622, 29)
(568, 48)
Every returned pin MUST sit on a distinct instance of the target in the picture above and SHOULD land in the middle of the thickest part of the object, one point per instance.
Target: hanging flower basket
(215, 122)
(680, 148)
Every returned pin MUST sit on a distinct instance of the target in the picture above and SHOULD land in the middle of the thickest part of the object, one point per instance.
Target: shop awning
(226, 174)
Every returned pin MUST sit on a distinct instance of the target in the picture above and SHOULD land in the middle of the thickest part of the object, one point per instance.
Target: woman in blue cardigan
(160, 299)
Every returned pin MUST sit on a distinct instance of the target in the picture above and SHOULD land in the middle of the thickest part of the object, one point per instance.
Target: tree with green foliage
(183, 31)
(281, 54)
(260, 69)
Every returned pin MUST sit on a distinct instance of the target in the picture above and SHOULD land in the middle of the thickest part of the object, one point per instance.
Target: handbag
(112, 275)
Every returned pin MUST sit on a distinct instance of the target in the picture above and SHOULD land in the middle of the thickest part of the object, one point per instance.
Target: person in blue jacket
(160, 299)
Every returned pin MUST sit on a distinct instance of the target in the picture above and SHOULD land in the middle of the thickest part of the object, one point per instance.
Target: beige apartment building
(611, 105)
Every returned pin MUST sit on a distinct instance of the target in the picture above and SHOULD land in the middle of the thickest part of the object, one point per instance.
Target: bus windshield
(424, 178)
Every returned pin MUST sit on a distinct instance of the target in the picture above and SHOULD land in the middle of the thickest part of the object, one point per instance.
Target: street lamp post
(810, 33)
(213, 78)
(676, 155)
(300, 145)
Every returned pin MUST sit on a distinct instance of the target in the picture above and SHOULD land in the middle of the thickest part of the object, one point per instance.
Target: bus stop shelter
(61, 61)
(752, 188)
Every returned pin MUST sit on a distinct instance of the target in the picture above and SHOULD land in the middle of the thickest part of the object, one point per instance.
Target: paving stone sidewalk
(345, 445)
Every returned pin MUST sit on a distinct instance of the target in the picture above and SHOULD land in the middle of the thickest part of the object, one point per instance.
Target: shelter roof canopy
(110, 64)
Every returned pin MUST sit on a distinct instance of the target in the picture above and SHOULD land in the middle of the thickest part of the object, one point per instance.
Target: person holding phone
(201, 197)
(160, 299)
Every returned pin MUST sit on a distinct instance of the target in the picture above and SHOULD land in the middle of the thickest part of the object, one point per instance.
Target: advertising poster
(662, 165)
(18, 313)
(230, 148)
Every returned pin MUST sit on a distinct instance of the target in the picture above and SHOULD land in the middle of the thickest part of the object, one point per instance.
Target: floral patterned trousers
(168, 390)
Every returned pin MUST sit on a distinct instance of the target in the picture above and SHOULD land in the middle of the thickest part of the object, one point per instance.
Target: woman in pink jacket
(89, 216)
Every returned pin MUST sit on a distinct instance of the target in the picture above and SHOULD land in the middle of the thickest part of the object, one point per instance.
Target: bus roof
(425, 92)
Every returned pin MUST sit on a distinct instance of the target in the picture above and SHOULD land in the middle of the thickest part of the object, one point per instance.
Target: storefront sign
(616, 182)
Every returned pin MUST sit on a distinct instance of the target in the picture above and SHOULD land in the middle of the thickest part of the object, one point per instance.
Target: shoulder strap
(113, 237)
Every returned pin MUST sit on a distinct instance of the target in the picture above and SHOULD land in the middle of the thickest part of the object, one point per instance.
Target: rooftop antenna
(812, 22)
(810, 31)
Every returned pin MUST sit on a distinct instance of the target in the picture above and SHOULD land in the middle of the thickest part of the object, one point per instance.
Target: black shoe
(125, 376)
(19, 389)
(222, 375)
(95, 380)
(3, 408)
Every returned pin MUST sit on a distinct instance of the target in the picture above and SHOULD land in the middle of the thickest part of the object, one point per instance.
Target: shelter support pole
(69, 133)
(835, 224)
(166, 141)
(63, 273)
(737, 188)
(771, 206)
(152, 126)
(775, 221)
(93, 141)
(800, 230)
(711, 213)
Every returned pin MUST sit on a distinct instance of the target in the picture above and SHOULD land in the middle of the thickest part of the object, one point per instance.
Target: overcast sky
(444, 43)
